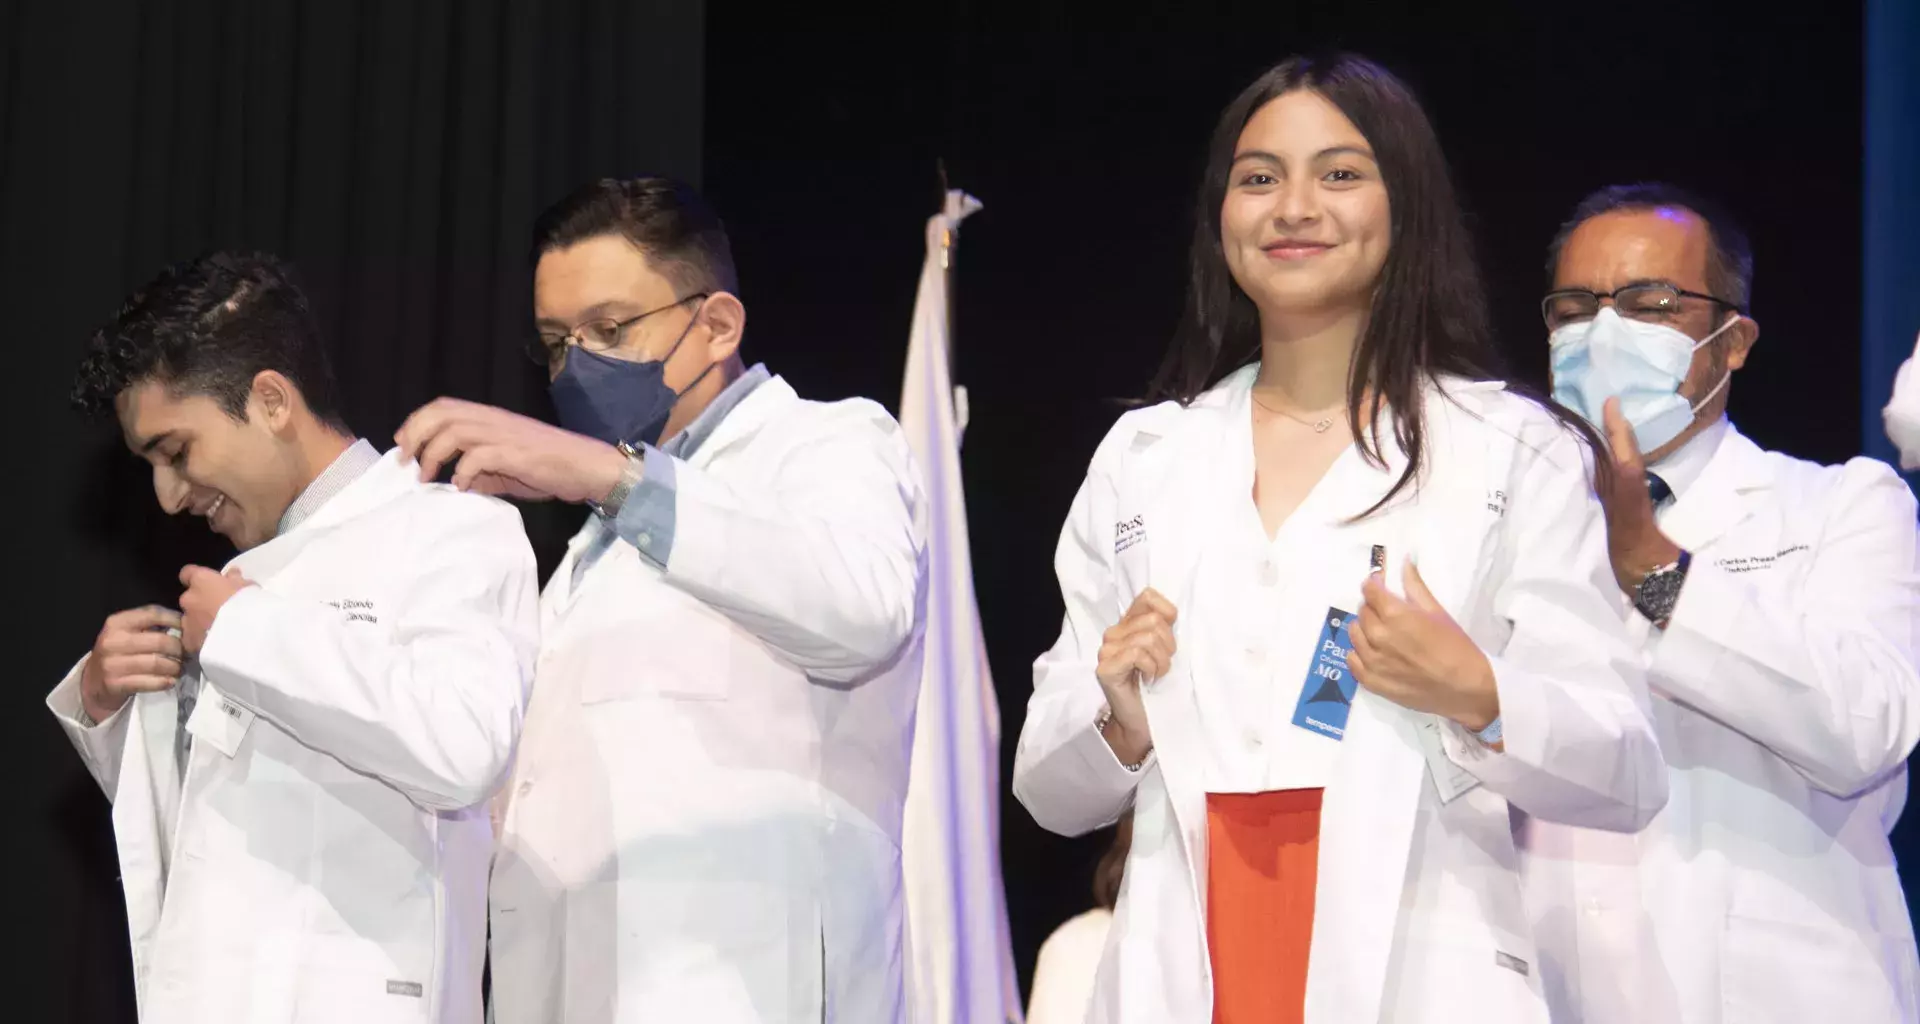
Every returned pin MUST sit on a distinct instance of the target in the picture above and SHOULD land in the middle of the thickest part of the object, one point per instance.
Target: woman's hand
(1138, 649)
(1413, 653)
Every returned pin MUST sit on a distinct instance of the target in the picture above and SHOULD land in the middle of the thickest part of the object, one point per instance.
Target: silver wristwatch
(1659, 590)
(609, 506)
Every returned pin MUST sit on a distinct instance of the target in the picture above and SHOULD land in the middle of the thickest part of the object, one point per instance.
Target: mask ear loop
(695, 382)
(1717, 331)
(677, 342)
(681, 340)
(1725, 377)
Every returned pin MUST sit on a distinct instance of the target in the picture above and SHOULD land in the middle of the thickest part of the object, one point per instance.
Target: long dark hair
(1429, 314)
(1113, 864)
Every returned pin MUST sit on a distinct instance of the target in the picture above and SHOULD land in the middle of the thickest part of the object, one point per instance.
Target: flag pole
(948, 242)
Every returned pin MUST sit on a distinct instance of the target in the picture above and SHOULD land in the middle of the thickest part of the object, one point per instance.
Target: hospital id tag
(219, 720)
(1327, 694)
(1449, 779)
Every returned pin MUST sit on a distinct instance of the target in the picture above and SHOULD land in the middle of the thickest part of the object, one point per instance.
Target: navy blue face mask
(617, 400)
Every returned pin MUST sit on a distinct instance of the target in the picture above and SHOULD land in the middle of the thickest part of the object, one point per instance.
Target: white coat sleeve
(99, 744)
(1823, 675)
(1064, 773)
(431, 704)
(1901, 416)
(825, 562)
(1579, 745)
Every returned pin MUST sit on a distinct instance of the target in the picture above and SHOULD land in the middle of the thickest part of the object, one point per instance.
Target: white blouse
(1265, 616)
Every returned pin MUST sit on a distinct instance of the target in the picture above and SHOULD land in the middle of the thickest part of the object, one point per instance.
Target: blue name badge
(1327, 694)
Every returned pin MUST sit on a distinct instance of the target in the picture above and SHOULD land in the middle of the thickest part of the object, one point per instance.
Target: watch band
(1492, 734)
(609, 506)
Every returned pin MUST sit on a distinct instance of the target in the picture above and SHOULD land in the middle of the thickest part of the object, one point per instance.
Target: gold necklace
(1319, 426)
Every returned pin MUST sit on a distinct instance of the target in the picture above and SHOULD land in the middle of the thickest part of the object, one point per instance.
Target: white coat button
(646, 541)
(526, 787)
(1594, 908)
(1254, 739)
(1269, 573)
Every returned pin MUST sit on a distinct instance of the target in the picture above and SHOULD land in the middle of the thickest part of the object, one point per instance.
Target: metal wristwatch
(609, 506)
(1659, 590)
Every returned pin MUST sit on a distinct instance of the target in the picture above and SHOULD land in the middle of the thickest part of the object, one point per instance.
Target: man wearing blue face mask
(1778, 602)
(703, 823)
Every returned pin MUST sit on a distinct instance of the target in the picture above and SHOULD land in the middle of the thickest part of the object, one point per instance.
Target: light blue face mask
(1641, 364)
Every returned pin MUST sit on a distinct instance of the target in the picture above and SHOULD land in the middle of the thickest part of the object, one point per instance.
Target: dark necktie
(1658, 490)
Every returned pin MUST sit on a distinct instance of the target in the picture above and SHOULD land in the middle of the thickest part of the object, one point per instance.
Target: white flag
(962, 970)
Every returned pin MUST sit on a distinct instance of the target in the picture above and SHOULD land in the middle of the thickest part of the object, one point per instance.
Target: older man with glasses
(1779, 602)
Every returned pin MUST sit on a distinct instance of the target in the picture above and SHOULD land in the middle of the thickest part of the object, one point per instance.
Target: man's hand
(1635, 545)
(508, 454)
(134, 653)
(1413, 653)
(207, 592)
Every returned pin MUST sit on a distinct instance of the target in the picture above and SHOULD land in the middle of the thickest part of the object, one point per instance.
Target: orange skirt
(1262, 862)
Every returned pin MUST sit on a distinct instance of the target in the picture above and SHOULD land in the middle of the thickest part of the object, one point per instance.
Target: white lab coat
(1901, 415)
(1509, 539)
(704, 822)
(1787, 703)
(330, 866)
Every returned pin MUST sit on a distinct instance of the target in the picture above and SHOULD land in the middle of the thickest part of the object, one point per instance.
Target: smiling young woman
(1322, 745)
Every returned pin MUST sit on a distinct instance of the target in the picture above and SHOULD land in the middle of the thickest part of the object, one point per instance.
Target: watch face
(1658, 593)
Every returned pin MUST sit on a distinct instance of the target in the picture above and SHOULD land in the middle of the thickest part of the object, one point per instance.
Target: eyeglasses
(548, 349)
(1652, 303)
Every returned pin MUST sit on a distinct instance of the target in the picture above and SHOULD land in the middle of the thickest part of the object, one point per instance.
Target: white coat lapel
(1366, 828)
(1172, 485)
(1464, 468)
(562, 591)
(147, 797)
(1716, 502)
(1173, 482)
(1366, 823)
(158, 717)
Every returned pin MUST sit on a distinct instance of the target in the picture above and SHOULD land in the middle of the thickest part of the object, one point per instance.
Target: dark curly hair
(208, 327)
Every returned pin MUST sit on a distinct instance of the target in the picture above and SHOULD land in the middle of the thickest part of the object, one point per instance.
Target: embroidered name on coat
(1754, 563)
(357, 610)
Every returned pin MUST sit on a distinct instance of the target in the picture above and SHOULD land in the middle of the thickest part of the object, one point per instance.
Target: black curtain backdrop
(398, 149)
(397, 152)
